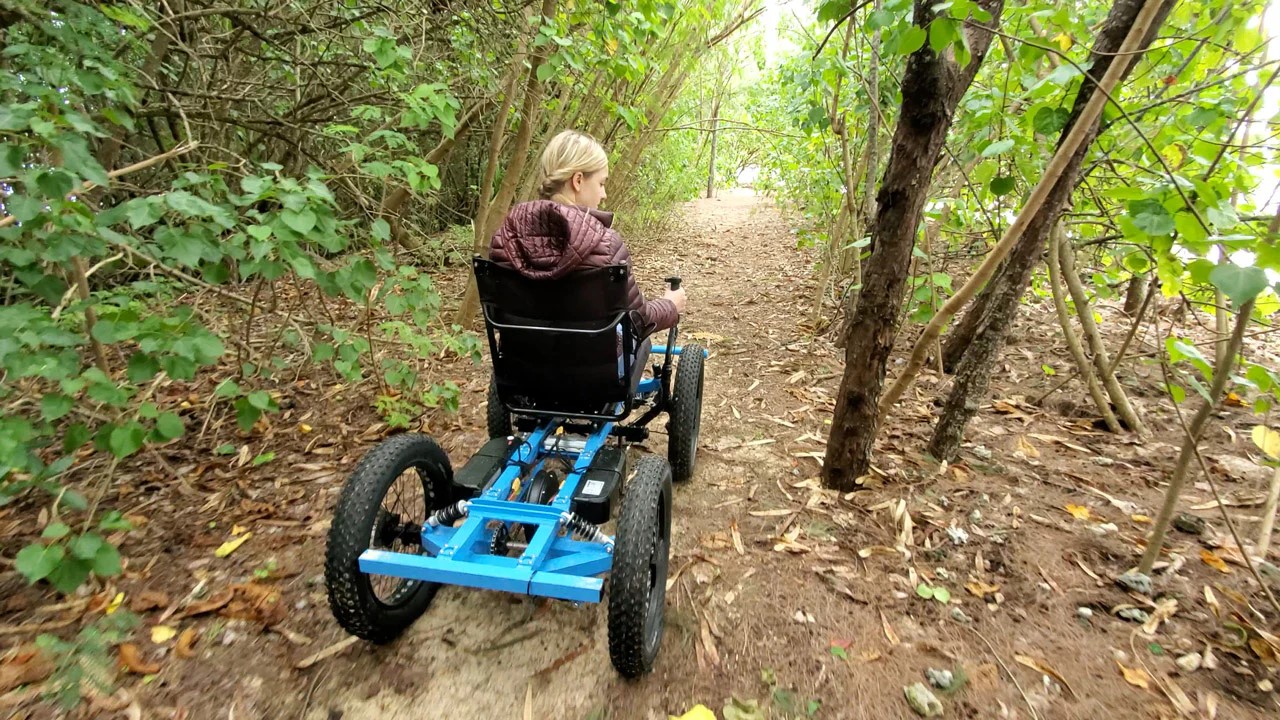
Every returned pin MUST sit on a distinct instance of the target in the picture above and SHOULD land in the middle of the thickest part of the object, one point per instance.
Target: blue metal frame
(553, 565)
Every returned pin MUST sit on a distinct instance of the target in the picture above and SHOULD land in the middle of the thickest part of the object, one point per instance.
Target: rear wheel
(383, 506)
(638, 582)
(686, 413)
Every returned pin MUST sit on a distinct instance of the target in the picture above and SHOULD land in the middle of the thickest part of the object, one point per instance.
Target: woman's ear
(575, 182)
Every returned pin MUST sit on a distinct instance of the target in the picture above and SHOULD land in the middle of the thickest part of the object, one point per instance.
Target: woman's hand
(677, 298)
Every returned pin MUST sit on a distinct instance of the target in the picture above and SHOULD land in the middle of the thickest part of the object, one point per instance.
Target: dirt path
(485, 654)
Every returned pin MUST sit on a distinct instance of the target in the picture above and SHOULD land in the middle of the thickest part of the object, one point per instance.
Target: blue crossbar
(679, 350)
(551, 566)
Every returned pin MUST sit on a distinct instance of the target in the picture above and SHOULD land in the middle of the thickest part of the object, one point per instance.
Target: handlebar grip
(674, 282)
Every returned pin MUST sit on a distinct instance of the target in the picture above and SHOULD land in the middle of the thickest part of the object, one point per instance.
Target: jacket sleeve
(652, 315)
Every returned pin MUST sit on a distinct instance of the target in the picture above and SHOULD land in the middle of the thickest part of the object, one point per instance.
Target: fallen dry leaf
(1165, 609)
(1078, 512)
(1212, 601)
(216, 602)
(981, 589)
(1043, 667)
(889, 634)
(186, 641)
(25, 666)
(1213, 561)
(230, 546)
(148, 600)
(737, 538)
(131, 660)
(161, 634)
(708, 644)
(1027, 448)
(1135, 676)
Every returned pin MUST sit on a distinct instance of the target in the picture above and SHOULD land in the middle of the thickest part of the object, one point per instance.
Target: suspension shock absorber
(586, 530)
(448, 515)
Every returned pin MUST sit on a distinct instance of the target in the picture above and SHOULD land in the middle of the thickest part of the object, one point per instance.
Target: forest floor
(781, 594)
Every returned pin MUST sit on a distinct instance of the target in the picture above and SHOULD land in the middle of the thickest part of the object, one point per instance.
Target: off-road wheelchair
(527, 513)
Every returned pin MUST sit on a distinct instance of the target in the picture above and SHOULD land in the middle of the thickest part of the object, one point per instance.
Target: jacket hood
(546, 240)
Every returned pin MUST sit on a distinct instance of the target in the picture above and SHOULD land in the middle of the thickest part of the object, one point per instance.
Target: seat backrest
(556, 343)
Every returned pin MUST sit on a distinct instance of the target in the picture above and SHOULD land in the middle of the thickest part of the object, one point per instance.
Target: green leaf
(942, 595)
(142, 367)
(56, 530)
(263, 458)
(839, 652)
(997, 147)
(545, 71)
(925, 591)
(86, 546)
(55, 405)
(226, 389)
(913, 38)
(1050, 120)
(246, 414)
(114, 521)
(69, 575)
(126, 440)
(169, 426)
(1151, 217)
(11, 157)
(301, 221)
(225, 449)
(77, 159)
(23, 208)
(35, 562)
(55, 184)
(381, 230)
(879, 19)
(1239, 284)
(833, 10)
(261, 400)
(106, 563)
(1002, 185)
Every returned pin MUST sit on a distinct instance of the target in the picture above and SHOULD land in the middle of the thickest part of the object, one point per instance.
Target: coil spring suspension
(448, 515)
(585, 530)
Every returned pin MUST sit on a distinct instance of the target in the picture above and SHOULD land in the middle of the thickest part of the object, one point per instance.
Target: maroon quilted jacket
(544, 239)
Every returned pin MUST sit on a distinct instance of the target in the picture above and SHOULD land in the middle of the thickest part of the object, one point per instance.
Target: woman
(567, 231)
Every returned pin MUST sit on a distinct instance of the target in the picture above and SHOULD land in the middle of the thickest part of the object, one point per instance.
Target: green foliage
(69, 89)
(87, 661)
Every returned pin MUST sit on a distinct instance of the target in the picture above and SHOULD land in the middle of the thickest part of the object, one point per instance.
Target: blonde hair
(568, 153)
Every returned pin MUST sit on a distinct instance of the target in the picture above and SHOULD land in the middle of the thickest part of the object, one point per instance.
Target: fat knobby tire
(686, 413)
(638, 582)
(351, 598)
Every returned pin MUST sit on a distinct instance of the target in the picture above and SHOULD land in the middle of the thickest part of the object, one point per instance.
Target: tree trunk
(1135, 294)
(711, 166)
(1087, 374)
(1221, 374)
(1024, 257)
(931, 88)
(1100, 359)
(984, 329)
(524, 135)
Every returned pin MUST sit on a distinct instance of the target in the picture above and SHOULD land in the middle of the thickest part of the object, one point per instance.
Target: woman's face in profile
(589, 189)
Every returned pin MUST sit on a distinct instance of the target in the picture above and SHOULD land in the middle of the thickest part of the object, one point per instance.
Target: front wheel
(686, 413)
(638, 583)
(383, 505)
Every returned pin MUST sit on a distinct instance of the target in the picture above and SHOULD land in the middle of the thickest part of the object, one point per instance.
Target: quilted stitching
(543, 239)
